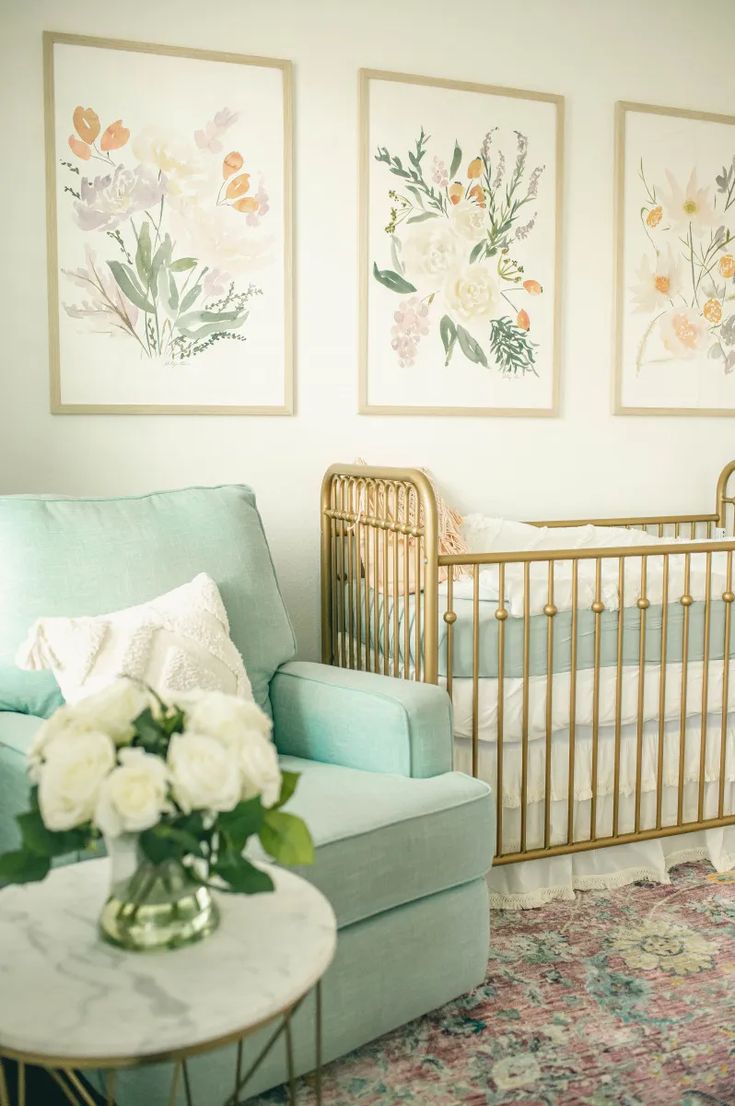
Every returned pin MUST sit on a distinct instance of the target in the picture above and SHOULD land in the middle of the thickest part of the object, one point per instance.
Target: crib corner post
(326, 530)
(723, 499)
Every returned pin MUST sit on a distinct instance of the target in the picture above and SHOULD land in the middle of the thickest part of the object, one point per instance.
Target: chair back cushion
(62, 556)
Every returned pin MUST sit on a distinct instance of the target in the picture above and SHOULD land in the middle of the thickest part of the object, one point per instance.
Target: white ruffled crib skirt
(536, 882)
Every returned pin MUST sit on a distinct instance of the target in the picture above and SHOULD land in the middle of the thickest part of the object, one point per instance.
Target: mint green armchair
(403, 843)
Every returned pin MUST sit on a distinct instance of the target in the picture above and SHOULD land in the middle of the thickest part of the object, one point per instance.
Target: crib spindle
(661, 750)
(618, 696)
(571, 773)
(501, 615)
(705, 685)
(549, 610)
(475, 667)
(686, 602)
(598, 607)
(727, 597)
(524, 728)
(643, 605)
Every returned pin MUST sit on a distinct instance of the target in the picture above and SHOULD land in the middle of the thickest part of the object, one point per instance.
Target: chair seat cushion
(384, 840)
(381, 840)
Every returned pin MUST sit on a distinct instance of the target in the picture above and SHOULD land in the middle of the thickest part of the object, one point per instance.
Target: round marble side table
(72, 1003)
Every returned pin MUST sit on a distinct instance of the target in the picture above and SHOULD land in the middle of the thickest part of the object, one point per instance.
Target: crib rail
(591, 687)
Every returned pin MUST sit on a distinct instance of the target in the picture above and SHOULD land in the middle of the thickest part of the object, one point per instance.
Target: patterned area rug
(621, 998)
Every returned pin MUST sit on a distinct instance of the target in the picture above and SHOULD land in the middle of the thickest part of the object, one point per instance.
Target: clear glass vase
(153, 906)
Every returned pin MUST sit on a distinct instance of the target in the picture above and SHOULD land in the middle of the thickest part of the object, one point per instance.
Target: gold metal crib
(591, 686)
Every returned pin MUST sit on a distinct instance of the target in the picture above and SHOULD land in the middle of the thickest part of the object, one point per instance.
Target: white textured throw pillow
(174, 643)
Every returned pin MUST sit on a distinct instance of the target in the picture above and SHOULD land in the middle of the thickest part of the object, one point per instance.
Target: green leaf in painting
(128, 283)
(477, 251)
(173, 292)
(456, 158)
(286, 838)
(472, 349)
(182, 264)
(392, 280)
(190, 298)
(23, 867)
(143, 253)
(448, 332)
(422, 217)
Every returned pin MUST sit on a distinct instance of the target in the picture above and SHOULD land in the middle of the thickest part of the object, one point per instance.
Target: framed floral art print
(461, 190)
(675, 278)
(169, 229)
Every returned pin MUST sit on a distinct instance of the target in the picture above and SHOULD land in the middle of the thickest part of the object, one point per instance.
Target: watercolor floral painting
(461, 278)
(171, 236)
(677, 304)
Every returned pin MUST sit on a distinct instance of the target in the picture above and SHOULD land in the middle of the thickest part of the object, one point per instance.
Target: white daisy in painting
(658, 282)
(690, 204)
(684, 332)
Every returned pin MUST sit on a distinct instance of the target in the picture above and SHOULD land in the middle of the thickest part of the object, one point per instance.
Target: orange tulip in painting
(115, 136)
(533, 287)
(81, 149)
(232, 164)
(86, 124)
(455, 192)
(238, 187)
(474, 168)
(248, 204)
(523, 321)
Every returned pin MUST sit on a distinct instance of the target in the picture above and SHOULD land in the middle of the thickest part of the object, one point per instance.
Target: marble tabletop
(67, 995)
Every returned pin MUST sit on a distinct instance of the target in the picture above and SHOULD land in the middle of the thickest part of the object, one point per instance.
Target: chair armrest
(361, 720)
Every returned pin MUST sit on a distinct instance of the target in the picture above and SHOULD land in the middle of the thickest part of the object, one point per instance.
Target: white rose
(71, 778)
(225, 717)
(429, 251)
(472, 295)
(468, 219)
(205, 774)
(64, 723)
(261, 774)
(114, 709)
(133, 796)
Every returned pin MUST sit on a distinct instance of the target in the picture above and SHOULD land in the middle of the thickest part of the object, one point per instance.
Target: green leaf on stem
(241, 822)
(150, 733)
(23, 867)
(286, 838)
(392, 280)
(167, 842)
(242, 876)
(288, 786)
(40, 841)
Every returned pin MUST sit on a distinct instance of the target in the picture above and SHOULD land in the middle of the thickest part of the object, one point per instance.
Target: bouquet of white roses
(193, 780)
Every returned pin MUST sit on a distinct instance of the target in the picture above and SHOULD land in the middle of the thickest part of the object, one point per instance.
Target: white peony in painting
(170, 228)
(461, 218)
(676, 262)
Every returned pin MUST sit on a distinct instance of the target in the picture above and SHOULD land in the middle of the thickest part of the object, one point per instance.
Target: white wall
(672, 52)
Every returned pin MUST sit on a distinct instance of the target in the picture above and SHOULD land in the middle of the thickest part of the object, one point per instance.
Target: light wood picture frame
(169, 229)
(674, 340)
(460, 301)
